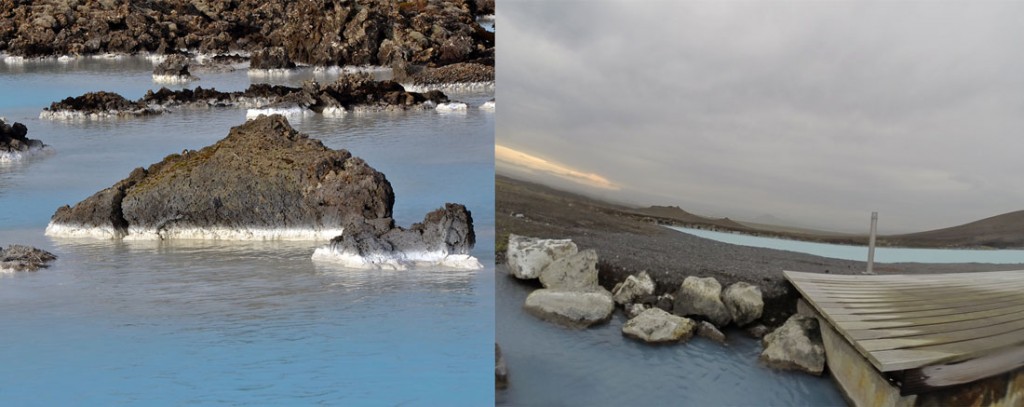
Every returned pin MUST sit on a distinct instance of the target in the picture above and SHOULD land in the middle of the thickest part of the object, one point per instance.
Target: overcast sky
(814, 113)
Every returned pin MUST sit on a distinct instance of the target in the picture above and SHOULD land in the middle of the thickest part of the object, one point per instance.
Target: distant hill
(677, 214)
(1000, 231)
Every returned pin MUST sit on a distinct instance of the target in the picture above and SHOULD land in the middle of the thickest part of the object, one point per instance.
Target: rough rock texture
(744, 302)
(632, 310)
(574, 309)
(24, 258)
(665, 301)
(757, 331)
(576, 272)
(701, 297)
(99, 103)
(484, 7)
(500, 369)
(378, 243)
(173, 65)
(634, 288)
(462, 72)
(270, 58)
(796, 345)
(528, 256)
(263, 176)
(655, 325)
(316, 32)
(708, 330)
(14, 139)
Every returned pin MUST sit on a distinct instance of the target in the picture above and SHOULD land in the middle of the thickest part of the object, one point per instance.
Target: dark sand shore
(628, 244)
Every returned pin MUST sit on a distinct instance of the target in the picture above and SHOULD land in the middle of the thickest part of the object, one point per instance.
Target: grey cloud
(818, 112)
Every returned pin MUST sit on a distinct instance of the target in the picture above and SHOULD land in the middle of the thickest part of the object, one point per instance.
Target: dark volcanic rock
(444, 237)
(102, 104)
(24, 258)
(14, 140)
(173, 65)
(264, 180)
(455, 73)
(316, 32)
(271, 58)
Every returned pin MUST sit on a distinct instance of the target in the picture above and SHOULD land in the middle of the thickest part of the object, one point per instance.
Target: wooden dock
(924, 332)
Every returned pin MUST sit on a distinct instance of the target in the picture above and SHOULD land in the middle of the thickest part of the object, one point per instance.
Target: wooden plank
(902, 359)
(936, 329)
(905, 322)
(840, 308)
(943, 375)
(872, 345)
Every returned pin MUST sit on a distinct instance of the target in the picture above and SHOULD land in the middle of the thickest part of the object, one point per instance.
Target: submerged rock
(708, 330)
(444, 238)
(635, 287)
(263, 181)
(701, 297)
(500, 369)
(173, 69)
(24, 258)
(574, 309)
(796, 345)
(528, 256)
(655, 325)
(14, 141)
(744, 302)
(96, 105)
(271, 58)
(576, 272)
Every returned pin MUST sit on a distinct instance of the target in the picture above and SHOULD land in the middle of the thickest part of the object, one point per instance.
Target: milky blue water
(201, 322)
(860, 253)
(554, 366)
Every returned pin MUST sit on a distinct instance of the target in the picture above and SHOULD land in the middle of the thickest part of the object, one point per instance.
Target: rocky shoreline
(353, 92)
(14, 142)
(24, 258)
(331, 32)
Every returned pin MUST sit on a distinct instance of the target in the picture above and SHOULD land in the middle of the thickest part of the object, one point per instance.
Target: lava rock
(14, 140)
(264, 180)
(701, 297)
(655, 326)
(24, 258)
(96, 104)
(173, 65)
(796, 345)
(744, 302)
(271, 58)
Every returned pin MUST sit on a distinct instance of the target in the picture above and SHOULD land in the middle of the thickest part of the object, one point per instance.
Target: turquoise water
(206, 322)
(860, 253)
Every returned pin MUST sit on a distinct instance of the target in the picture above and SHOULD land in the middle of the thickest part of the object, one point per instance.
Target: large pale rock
(655, 325)
(796, 345)
(528, 256)
(576, 272)
(701, 297)
(744, 302)
(574, 309)
(635, 287)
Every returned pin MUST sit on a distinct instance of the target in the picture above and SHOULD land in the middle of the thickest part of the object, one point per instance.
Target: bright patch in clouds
(524, 161)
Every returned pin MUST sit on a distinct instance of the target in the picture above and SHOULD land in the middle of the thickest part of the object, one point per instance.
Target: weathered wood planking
(903, 322)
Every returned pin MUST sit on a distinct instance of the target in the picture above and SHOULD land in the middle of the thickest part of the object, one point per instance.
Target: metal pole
(871, 243)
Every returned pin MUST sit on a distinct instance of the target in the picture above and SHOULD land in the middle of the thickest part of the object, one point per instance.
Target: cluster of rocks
(267, 181)
(270, 58)
(24, 258)
(699, 306)
(459, 75)
(349, 92)
(173, 69)
(444, 238)
(97, 105)
(329, 32)
(571, 295)
(14, 141)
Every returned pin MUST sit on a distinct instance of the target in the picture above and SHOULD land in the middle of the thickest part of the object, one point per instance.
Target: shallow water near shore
(860, 253)
(551, 366)
(216, 322)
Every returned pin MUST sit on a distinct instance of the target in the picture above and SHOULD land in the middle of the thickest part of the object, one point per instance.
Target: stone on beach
(574, 309)
(708, 330)
(576, 272)
(527, 256)
(635, 287)
(796, 345)
(263, 181)
(24, 258)
(701, 297)
(744, 302)
(655, 326)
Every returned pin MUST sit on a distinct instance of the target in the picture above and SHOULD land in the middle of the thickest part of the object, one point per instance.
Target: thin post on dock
(871, 243)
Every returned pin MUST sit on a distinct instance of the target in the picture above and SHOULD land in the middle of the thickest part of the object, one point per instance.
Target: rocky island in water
(266, 181)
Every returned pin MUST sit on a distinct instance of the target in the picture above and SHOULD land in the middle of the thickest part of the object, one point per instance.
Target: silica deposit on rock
(14, 142)
(263, 181)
